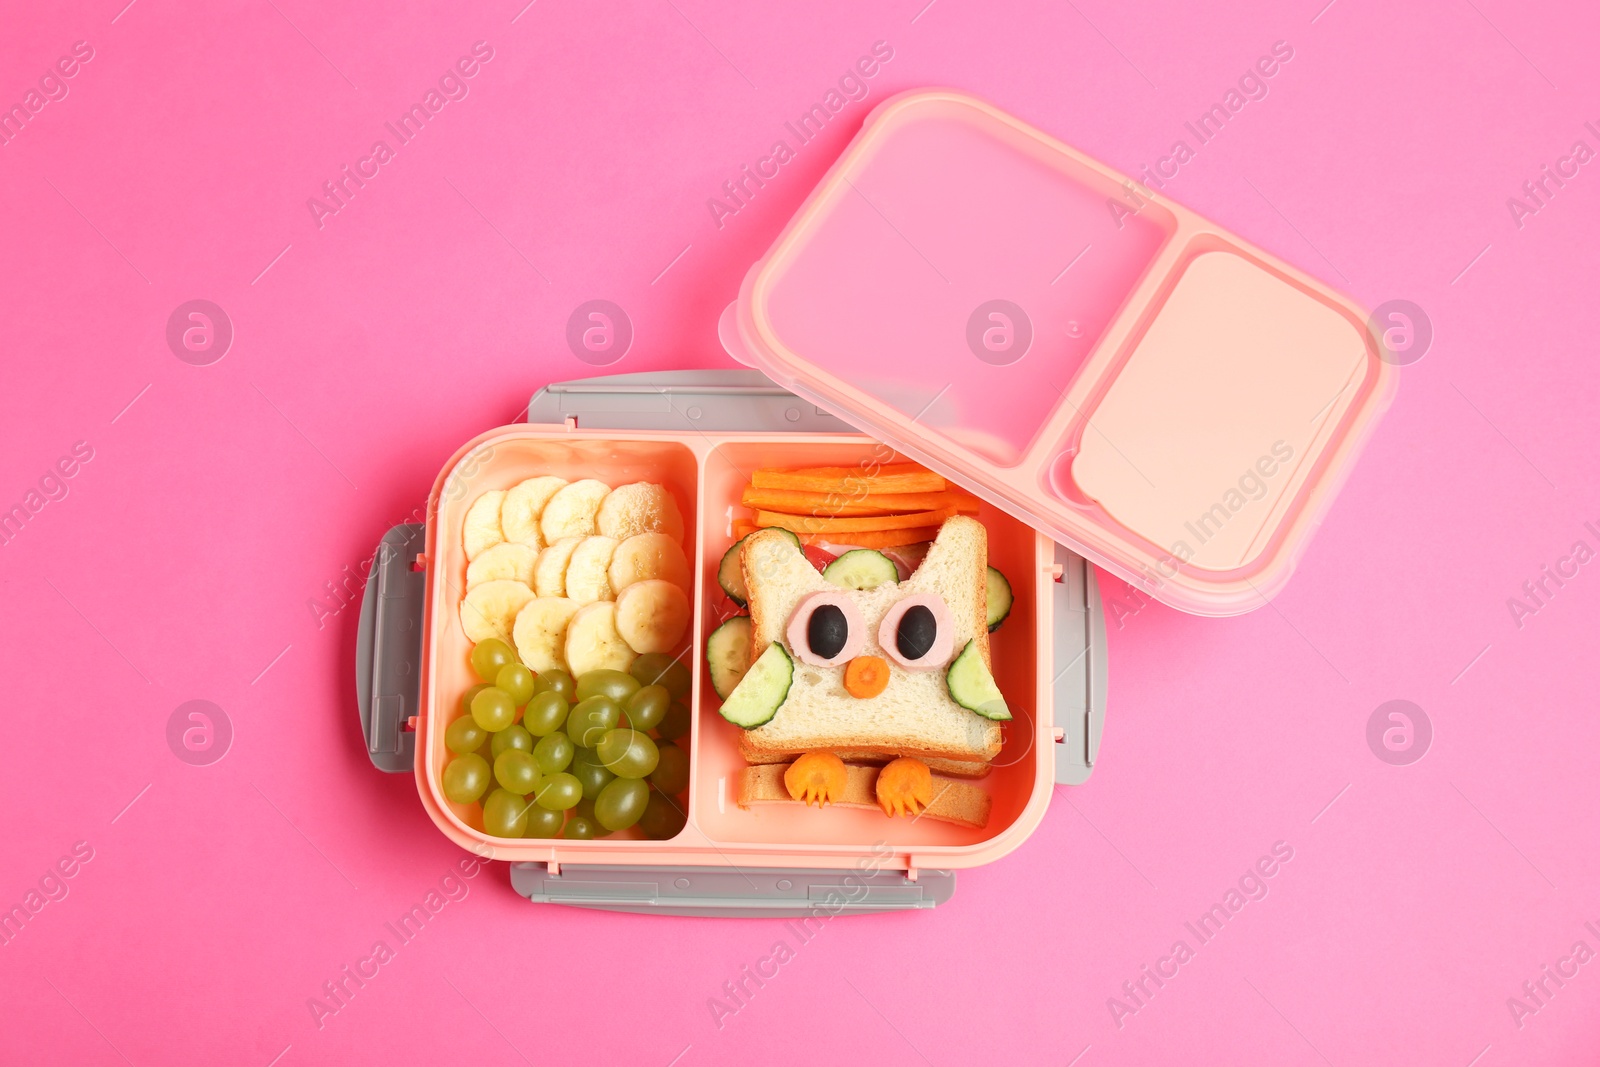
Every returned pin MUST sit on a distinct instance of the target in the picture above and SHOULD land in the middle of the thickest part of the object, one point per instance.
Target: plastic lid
(1127, 377)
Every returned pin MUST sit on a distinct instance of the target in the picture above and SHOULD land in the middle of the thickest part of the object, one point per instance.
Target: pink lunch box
(1118, 379)
(412, 667)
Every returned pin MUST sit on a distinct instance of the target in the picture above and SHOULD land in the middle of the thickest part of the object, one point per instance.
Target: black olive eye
(916, 632)
(827, 631)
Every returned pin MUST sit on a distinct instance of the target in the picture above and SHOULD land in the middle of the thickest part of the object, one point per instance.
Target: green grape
(517, 680)
(628, 753)
(621, 803)
(581, 829)
(492, 709)
(662, 817)
(464, 735)
(649, 667)
(555, 681)
(545, 713)
(590, 772)
(466, 698)
(516, 771)
(591, 718)
(465, 778)
(558, 792)
(658, 668)
(505, 814)
(585, 810)
(617, 685)
(512, 736)
(542, 822)
(676, 678)
(675, 723)
(648, 707)
(553, 753)
(489, 656)
(671, 775)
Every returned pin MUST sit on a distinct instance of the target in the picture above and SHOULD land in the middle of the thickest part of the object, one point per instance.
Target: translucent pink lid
(1127, 377)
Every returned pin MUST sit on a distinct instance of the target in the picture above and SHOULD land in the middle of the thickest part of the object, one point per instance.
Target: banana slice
(550, 569)
(481, 530)
(640, 507)
(649, 555)
(593, 641)
(490, 610)
(508, 561)
(524, 503)
(586, 570)
(540, 633)
(652, 615)
(571, 511)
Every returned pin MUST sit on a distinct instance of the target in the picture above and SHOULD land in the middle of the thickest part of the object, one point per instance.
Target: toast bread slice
(953, 801)
(915, 715)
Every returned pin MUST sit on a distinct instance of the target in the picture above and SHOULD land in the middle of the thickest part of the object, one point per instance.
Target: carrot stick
(874, 539)
(810, 524)
(799, 502)
(952, 497)
(742, 528)
(891, 478)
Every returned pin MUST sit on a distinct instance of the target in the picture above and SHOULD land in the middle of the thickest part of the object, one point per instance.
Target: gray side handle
(732, 892)
(1081, 668)
(389, 649)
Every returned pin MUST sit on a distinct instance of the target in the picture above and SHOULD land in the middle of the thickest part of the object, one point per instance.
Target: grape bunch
(550, 755)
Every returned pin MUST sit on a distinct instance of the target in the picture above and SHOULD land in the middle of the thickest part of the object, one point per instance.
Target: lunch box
(1118, 380)
(700, 433)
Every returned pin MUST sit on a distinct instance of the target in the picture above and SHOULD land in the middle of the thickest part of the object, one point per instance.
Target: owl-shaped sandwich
(895, 671)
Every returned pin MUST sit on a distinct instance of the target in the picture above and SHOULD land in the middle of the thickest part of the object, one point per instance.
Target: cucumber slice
(999, 598)
(972, 686)
(731, 577)
(728, 654)
(765, 685)
(861, 568)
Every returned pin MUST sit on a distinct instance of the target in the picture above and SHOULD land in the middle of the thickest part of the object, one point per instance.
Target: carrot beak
(866, 676)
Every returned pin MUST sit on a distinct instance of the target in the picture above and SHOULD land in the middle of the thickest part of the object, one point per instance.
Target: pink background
(181, 563)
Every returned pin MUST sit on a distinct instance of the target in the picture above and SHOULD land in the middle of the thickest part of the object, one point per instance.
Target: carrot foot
(905, 787)
(816, 778)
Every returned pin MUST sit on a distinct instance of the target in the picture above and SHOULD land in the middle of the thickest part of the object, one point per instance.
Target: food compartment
(1206, 428)
(500, 462)
(1014, 780)
(964, 295)
(706, 475)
